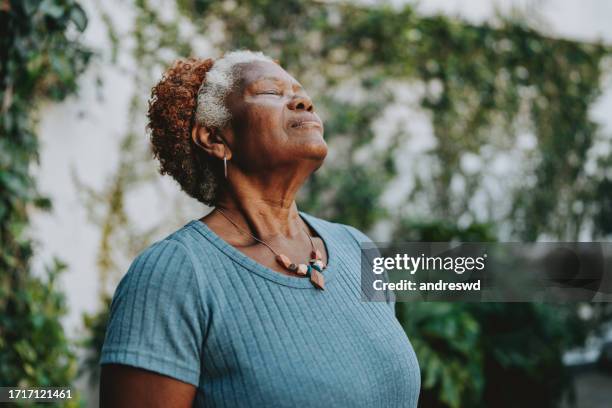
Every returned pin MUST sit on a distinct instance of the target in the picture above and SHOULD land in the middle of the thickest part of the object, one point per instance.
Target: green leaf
(78, 16)
(52, 8)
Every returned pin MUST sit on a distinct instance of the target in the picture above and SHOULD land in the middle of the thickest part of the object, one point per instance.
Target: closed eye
(270, 92)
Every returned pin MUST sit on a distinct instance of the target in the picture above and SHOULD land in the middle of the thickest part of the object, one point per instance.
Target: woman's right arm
(152, 350)
(125, 386)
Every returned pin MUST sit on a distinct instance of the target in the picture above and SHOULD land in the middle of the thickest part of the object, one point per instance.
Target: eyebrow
(276, 79)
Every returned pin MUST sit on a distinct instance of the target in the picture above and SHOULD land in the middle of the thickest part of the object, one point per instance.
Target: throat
(266, 223)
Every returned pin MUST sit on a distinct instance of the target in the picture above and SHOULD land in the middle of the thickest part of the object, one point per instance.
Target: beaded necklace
(313, 269)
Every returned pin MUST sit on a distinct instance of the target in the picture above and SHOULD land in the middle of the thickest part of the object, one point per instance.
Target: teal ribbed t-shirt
(194, 308)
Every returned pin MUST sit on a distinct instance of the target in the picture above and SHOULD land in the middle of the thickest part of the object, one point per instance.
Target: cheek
(266, 126)
(267, 121)
(260, 134)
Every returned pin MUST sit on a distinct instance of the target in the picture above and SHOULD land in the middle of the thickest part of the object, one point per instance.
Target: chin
(315, 149)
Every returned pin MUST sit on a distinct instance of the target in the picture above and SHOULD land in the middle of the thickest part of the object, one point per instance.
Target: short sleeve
(157, 316)
(363, 240)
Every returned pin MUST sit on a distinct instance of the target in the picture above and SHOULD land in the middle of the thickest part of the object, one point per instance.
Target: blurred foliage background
(39, 62)
(486, 89)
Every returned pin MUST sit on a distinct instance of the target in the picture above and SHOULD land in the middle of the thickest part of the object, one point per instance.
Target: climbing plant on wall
(41, 59)
(493, 92)
(485, 85)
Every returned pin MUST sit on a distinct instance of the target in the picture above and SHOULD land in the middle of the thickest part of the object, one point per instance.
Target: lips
(304, 123)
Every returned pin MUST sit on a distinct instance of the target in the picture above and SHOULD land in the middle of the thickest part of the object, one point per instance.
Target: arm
(125, 386)
(151, 355)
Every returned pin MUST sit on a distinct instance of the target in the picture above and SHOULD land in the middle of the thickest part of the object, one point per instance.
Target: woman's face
(273, 123)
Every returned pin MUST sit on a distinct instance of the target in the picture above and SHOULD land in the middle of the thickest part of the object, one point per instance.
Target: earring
(225, 165)
(197, 144)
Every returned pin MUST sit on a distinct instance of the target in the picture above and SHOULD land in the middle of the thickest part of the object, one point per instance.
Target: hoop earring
(225, 165)
(197, 144)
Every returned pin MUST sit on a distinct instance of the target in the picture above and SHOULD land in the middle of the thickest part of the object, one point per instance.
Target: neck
(264, 206)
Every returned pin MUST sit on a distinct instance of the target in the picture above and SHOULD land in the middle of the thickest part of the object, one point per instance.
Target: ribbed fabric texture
(194, 308)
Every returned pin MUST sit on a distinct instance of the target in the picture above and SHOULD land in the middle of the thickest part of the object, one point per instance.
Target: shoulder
(359, 236)
(156, 275)
(174, 249)
(164, 263)
(164, 252)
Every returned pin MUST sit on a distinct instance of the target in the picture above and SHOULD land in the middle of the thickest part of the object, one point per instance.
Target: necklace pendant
(315, 254)
(302, 269)
(317, 279)
(283, 260)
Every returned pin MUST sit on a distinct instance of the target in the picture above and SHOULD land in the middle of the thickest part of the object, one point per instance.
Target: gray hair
(211, 110)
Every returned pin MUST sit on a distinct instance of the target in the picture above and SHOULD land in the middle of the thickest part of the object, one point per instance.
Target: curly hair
(192, 90)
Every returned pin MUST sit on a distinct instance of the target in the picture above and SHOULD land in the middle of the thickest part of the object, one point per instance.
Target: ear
(210, 141)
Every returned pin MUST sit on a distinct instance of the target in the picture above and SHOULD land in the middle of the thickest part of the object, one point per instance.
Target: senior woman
(257, 303)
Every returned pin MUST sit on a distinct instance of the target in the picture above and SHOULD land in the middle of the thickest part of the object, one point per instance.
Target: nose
(299, 102)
